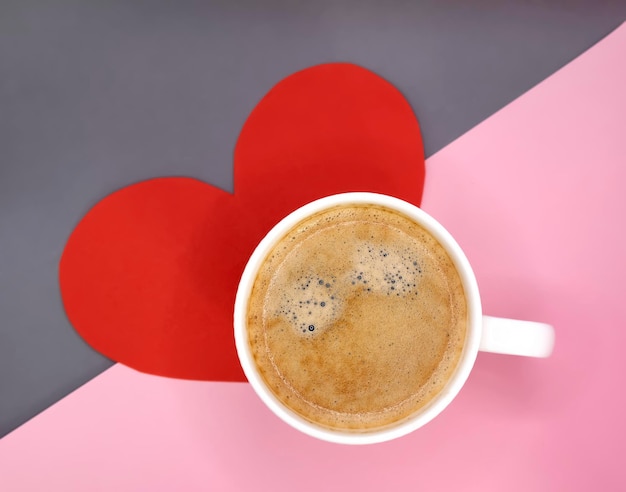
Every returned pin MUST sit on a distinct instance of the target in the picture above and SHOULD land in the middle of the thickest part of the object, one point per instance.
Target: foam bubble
(311, 303)
(386, 269)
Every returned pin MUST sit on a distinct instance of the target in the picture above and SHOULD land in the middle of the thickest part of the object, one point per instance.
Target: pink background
(535, 197)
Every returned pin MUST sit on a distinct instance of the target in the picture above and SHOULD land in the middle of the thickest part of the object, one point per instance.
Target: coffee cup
(358, 319)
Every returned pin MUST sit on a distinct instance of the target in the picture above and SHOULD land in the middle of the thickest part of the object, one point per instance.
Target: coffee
(357, 318)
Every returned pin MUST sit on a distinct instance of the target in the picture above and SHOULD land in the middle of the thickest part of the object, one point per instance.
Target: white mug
(484, 333)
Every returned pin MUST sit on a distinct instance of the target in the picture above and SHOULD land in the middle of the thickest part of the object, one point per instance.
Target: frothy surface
(357, 318)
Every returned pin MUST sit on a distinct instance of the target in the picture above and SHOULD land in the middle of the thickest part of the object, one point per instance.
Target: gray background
(98, 95)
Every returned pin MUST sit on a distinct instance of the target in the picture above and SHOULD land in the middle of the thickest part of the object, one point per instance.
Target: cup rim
(424, 414)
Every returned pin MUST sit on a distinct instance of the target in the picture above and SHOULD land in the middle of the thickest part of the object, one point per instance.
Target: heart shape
(148, 276)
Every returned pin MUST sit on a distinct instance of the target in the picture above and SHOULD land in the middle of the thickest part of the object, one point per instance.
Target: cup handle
(516, 337)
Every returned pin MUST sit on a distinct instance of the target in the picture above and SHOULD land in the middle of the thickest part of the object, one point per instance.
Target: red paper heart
(149, 275)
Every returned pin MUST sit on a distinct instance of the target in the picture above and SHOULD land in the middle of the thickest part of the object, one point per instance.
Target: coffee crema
(357, 318)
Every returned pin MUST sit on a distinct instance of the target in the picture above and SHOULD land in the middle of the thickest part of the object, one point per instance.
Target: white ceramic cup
(486, 333)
